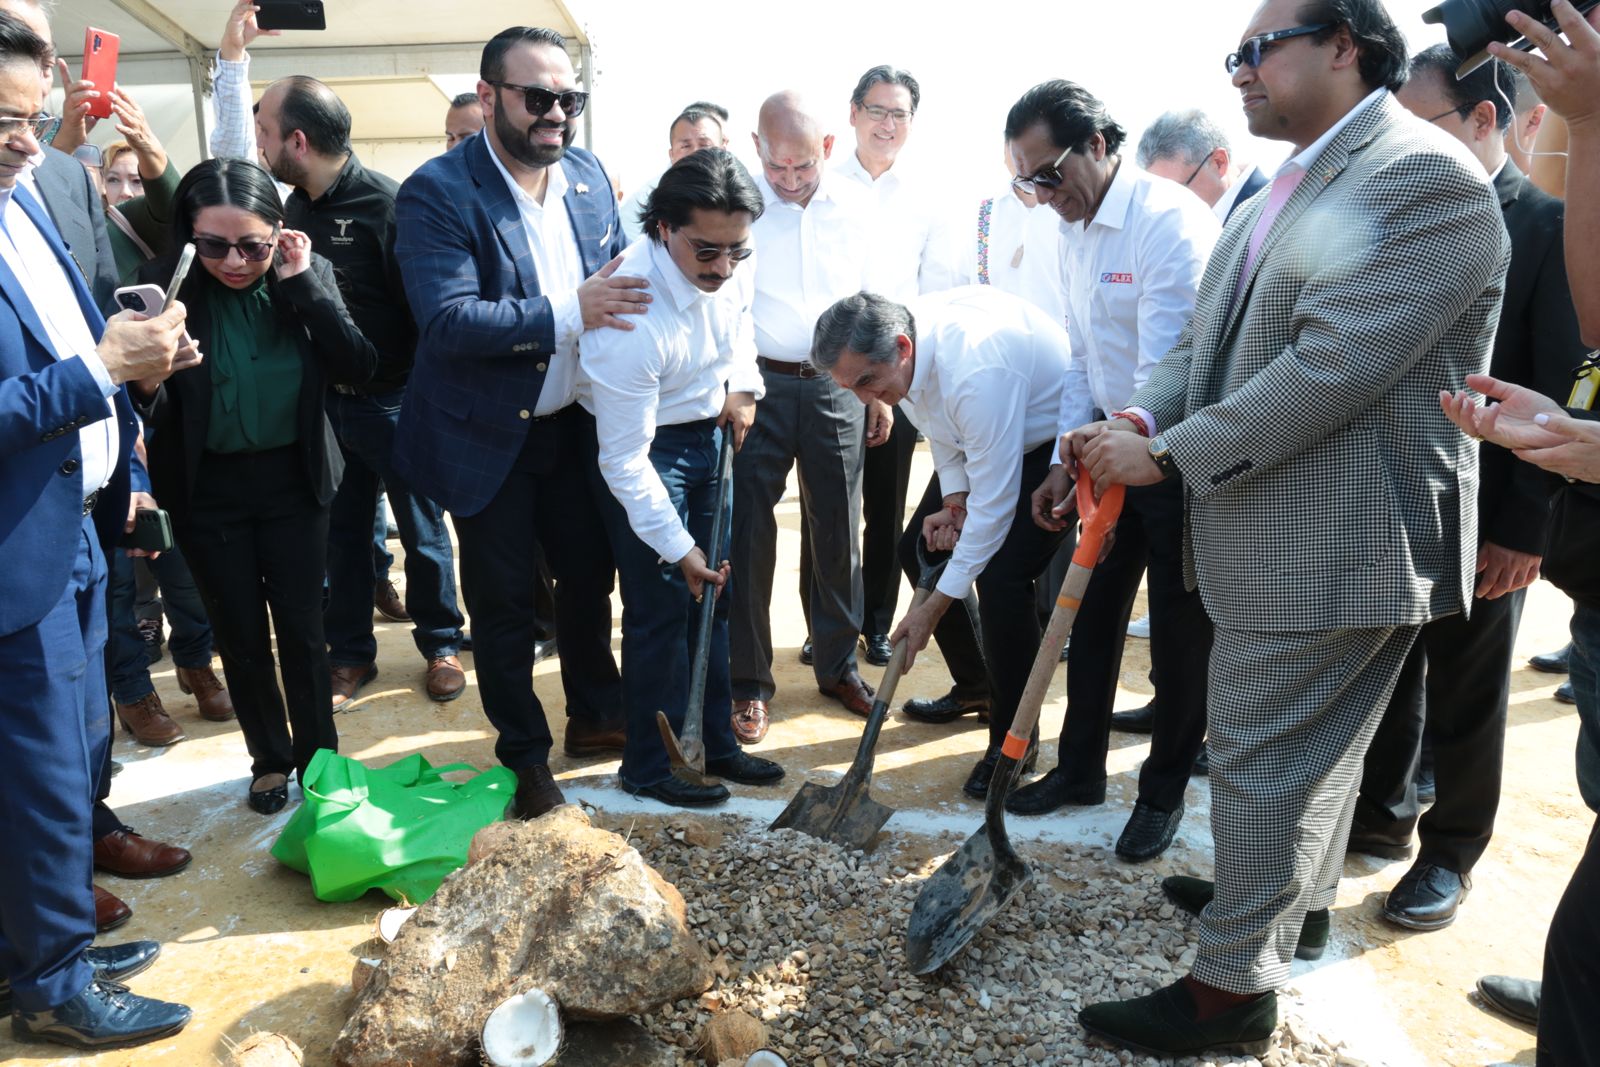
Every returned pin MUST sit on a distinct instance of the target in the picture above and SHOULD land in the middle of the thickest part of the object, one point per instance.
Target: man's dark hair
(1073, 113)
(316, 111)
(1489, 82)
(866, 323)
(716, 109)
(692, 115)
(711, 179)
(17, 41)
(492, 67)
(883, 74)
(1382, 45)
(463, 100)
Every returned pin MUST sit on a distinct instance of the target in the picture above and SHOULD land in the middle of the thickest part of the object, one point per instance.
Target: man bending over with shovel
(977, 370)
(664, 394)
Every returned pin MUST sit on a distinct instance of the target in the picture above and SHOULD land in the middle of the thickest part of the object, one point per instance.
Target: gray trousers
(814, 423)
(1291, 716)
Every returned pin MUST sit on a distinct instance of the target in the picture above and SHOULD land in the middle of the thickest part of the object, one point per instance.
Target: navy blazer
(485, 329)
(43, 403)
(1254, 182)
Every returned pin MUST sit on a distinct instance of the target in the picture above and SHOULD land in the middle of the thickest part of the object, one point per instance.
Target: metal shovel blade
(688, 759)
(848, 817)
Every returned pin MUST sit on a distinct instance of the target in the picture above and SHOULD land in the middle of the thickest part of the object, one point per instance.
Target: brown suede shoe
(149, 722)
(213, 700)
(852, 692)
(109, 912)
(347, 682)
(536, 794)
(386, 598)
(750, 721)
(126, 853)
(446, 679)
(586, 739)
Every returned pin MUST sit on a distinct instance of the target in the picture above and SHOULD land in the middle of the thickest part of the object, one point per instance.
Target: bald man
(814, 245)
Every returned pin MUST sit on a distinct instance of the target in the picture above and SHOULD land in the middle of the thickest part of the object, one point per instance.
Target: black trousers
(1149, 534)
(1456, 682)
(1568, 1034)
(257, 542)
(546, 509)
(1006, 616)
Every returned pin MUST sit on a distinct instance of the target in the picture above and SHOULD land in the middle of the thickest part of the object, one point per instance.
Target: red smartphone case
(100, 66)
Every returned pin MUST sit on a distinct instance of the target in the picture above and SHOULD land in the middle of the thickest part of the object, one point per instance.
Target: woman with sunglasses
(243, 457)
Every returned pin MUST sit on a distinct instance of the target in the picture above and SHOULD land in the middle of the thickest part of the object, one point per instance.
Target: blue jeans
(1585, 674)
(382, 558)
(189, 641)
(365, 426)
(658, 614)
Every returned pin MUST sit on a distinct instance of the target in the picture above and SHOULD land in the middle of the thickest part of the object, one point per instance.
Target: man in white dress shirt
(700, 125)
(663, 394)
(1190, 148)
(981, 372)
(815, 240)
(1136, 246)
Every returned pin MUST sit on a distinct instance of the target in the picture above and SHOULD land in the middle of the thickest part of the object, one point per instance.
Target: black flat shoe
(111, 963)
(1054, 791)
(1564, 694)
(269, 801)
(1164, 1024)
(878, 649)
(745, 769)
(681, 794)
(977, 785)
(1557, 662)
(1516, 998)
(105, 1015)
(536, 793)
(1149, 832)
(807, 654)
(1426, 897)
(947, 708)
(1138, 721)
(1193, 894)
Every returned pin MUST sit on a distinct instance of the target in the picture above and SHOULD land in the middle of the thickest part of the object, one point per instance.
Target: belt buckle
(808, 370)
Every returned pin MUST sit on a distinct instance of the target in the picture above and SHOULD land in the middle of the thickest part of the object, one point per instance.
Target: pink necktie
(1283, 187)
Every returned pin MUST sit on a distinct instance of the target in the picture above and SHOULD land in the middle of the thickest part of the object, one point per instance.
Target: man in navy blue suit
(66, 438)
(508, 246)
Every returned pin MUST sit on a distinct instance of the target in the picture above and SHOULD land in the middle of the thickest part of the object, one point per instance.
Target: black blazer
(74, 205)
(179, 413)
(1537, 345)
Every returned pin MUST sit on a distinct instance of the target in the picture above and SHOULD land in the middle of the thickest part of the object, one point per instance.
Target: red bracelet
(1138, 423)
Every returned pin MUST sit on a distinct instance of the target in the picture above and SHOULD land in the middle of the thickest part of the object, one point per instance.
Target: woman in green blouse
(244, 460)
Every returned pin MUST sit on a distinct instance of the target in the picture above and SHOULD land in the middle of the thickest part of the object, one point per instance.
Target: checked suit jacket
(1326, 489)
(485, 329)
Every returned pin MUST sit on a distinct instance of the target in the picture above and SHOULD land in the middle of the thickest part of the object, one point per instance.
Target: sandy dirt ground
(250, 948)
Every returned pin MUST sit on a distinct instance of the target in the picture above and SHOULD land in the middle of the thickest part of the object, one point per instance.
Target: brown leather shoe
(536, 794)
(386, 598)
(851, 691)
(446, 679)
(213, 700)
(109, 912)
(347, 682)
(584, 738)
(149, 722)
(125, 853)
(750, 721)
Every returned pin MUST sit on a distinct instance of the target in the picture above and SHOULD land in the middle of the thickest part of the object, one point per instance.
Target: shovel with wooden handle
(974, 884)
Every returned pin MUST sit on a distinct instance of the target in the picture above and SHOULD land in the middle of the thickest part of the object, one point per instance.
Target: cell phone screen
(185, 259)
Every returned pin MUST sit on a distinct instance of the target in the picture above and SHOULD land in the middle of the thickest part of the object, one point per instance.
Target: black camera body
(1471, 24)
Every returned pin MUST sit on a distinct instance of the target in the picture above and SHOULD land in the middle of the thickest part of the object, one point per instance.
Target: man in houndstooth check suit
(1331, 510)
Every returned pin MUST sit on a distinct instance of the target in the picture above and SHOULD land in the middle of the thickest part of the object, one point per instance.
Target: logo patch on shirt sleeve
(1110, 278)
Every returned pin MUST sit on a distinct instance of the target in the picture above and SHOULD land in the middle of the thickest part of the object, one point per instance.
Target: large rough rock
(557, 904)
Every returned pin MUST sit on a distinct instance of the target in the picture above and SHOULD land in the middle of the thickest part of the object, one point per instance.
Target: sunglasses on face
(539, 100)
(42, 127)
(1046, 178)
(711, 253)
(1251, 49)
(217, 248)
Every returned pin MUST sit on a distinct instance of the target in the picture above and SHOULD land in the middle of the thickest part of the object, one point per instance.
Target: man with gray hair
(1190, 148)
(981, 372)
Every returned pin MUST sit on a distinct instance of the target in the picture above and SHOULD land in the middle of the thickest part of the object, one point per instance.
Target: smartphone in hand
(100, 66)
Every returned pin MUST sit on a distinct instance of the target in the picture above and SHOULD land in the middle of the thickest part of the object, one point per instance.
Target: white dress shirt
(669, 369)
(632, 211)
(560, 272)
(985, 390)
(808, 258)
(913, 251)
(50, 291)
(1017, 249)
(1132, 274)
(1230, 195)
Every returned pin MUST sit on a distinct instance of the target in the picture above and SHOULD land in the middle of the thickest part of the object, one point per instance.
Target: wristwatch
(1163, 458)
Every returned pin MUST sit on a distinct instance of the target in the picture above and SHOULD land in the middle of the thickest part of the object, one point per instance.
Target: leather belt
(805, 369)
(90, 501)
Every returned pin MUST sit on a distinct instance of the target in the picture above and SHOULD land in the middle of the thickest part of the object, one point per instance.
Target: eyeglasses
(41, 127)
(877, 114)
(1460, 112)
(711, 253)
(1251, 49)
(217, 248)
(1046, 178)
(1196, 172)
(540, 100)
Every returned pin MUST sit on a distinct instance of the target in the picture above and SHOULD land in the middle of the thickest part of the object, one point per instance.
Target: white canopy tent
(395, 63)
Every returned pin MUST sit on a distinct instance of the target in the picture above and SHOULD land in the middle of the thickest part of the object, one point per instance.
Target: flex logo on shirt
(1110, 278)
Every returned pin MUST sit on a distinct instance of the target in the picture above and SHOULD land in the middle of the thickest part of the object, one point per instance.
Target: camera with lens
(1471, 24)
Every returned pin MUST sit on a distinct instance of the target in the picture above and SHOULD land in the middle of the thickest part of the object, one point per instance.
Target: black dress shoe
(104, 1015)
(1517, 998)
(1054, 791)
(1202, 764)
(1372, 842)
(268, 801)
(543, 650)
(1148, 833)
(745, 769)
(1426, 897)
(1193, 894)
(807, 655)
(1564, 694)
(536, 793)
(947, 708)
(977, 785)
(1557, 662)
(878, 649)
(1138, 721)
(681, 794)
(112, 963)
(1166, 1023)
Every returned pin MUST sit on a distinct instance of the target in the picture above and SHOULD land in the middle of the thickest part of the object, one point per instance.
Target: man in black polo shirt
(303, 134)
